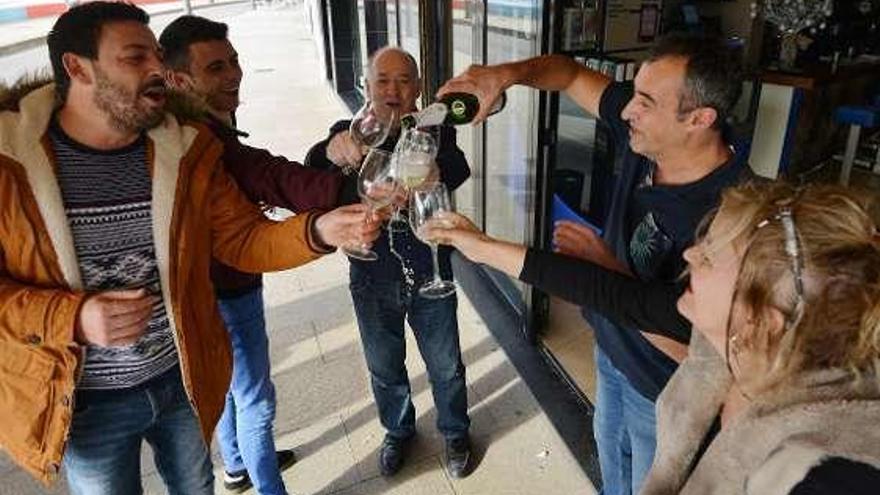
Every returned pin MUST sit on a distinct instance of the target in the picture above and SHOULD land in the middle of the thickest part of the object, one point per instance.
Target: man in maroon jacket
(202, 62)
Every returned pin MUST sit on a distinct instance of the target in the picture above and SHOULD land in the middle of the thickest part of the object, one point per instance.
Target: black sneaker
(286, 458)
(392, 455)
(458, 456)
(239, 481)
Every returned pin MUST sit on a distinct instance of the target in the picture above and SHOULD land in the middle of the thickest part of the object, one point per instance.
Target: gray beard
(121, 107)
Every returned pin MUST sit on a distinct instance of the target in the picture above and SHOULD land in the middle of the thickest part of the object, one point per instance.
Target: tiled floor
(571, 341)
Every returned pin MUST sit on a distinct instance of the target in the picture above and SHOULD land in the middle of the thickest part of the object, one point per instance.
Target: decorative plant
(791, 17)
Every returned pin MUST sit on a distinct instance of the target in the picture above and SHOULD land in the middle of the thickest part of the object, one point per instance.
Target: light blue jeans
(245, 430)
(103, 455)
(624, 425)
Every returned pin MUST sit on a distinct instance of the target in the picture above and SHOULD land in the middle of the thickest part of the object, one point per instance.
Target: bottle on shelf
(452, 109)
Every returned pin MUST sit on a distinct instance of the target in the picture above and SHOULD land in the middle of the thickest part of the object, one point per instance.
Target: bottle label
(458, 108)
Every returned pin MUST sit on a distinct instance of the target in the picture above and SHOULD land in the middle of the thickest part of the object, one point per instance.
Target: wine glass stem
(367, 216)
(436, 262)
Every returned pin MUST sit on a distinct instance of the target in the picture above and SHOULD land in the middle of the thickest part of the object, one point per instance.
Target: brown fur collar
(10, 96)
(185, 107)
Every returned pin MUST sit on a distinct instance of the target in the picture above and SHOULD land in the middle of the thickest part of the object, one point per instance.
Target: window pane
(467, 28)
(410, 39)
(391, 7)
(513, 34)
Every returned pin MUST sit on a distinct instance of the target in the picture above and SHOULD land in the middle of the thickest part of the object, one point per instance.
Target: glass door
(468, 41)
(410, 34)
(504, 153)
(513, 32)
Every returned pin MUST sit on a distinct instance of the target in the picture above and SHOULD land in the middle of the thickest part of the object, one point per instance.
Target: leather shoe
(458, 456)
(392, 455)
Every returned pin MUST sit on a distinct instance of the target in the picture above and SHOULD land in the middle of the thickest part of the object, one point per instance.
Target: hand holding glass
(377, 187)
(425, 204)
(368, 128)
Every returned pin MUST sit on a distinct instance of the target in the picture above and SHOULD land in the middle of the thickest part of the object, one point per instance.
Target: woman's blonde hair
(813, 253)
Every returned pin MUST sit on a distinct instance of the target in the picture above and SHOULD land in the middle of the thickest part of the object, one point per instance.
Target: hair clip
(792, 249)
(785, 216)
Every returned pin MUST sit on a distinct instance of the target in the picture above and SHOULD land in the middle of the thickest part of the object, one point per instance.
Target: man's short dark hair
(78, 31)
(183, 32)
(714, 75)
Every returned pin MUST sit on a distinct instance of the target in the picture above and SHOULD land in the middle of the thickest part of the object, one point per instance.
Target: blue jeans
(103, 453)
(245, 429)
(624, 426)
(381, 306)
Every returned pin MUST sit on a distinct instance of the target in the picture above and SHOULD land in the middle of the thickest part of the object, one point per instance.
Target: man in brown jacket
(110, 212)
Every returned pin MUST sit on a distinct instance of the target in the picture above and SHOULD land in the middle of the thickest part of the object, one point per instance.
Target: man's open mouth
(156, 94)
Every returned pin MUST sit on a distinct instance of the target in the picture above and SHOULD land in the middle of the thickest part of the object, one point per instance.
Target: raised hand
(114, 318)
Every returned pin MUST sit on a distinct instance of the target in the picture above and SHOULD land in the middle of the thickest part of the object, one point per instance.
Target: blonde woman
(784, 292)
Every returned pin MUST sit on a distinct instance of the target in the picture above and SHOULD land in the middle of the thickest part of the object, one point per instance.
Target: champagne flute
(397, 222)
(369, 128)
(415, 153)
(377, 187)
(425, 203)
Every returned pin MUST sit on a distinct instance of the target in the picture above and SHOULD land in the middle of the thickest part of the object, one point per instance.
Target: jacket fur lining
(21, 135)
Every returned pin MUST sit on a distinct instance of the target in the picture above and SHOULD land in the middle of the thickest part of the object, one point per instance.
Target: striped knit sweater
(107, 197)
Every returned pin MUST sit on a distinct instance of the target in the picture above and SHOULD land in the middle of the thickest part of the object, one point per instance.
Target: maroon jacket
(273, 181)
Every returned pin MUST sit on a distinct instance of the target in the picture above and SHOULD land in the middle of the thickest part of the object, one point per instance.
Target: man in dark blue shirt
(674, 163)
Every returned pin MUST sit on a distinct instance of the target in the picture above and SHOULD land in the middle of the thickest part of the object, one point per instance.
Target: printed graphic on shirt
(649, 248)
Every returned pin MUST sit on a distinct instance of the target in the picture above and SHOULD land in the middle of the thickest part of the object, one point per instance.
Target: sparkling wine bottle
(452, 109)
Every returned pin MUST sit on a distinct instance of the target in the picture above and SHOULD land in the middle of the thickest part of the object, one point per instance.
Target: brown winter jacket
(269, 180)
(197, 213)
